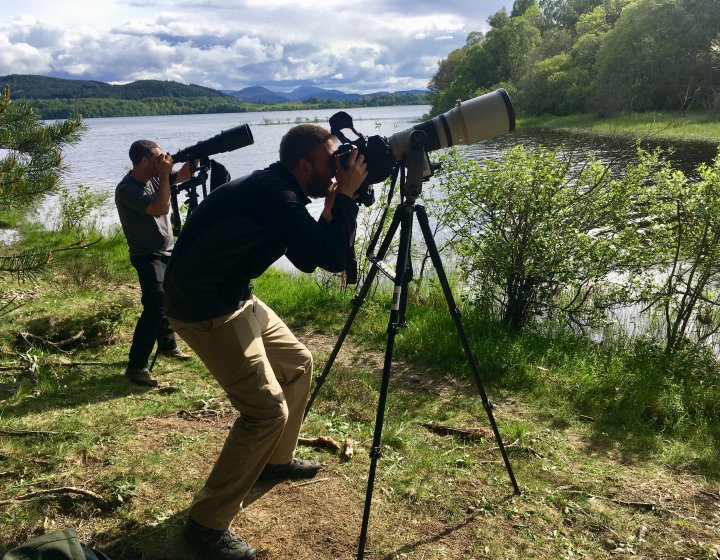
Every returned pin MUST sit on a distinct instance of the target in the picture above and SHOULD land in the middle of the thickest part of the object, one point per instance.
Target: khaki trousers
(266, 373)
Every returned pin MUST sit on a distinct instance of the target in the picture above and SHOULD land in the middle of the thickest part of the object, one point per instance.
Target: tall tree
(30, 168)
(658, 56)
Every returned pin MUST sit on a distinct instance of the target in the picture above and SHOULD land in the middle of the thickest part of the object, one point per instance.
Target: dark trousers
(152, 325)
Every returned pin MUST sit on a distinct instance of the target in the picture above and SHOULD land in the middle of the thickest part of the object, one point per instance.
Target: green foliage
(30, 167)
(593, 56)
(81, 210)
(31, 152)
(659, 56)
(680, 229)
(529, 228)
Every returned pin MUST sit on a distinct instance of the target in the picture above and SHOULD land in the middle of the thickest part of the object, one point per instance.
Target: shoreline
(693, 127)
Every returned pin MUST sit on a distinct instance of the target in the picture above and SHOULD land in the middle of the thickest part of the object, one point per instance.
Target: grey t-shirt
(145, 234)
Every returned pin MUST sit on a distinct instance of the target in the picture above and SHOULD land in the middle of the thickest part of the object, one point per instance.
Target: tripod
(190, 186)
(403, 217)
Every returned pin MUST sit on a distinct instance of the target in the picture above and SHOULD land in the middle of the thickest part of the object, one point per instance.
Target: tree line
(591, 56)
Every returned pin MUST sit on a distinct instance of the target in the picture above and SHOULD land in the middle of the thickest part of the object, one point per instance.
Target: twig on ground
(320, 442)
(313, 481)
(647, 506)
(56, 492)
(476, 434)
(12, 432)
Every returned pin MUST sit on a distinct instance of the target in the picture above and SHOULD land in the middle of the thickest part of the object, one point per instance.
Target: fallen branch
(32, 339)
(313, 481)
(12, 432)
(476, 434)
(12, 368)
(646, 506)
(320, 442)
(56, 492)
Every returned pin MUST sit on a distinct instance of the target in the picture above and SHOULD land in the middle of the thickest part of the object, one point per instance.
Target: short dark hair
(300, 142)
(140, 149)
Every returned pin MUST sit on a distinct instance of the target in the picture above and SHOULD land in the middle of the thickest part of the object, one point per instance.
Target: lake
(100, 159)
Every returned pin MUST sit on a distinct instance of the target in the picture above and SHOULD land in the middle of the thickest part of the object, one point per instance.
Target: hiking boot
(140, 376)
(214, 544)
(297, 468)
(176, 353)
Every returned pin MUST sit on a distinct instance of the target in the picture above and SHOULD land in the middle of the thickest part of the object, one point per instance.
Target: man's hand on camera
(164, 165)
(329, 202)
(184, 173)
(350, 179)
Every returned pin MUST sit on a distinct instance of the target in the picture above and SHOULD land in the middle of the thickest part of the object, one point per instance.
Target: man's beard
(318, 186)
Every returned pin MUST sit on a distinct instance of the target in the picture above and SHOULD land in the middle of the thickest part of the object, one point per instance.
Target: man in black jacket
(233, 236)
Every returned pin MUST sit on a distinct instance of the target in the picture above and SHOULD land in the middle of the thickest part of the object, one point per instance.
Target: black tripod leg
(455, 313)
(393, 326)
(357, 302)
(157, 351)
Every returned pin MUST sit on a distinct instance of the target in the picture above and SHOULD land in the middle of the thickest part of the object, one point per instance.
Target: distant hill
(304, 93)
(23, 86)
(256, 94)
(59, 98)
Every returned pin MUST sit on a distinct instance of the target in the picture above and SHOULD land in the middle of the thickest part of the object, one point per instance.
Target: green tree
(679, 274)
(658, 56)
(535, 237)
(566, 13)
(483, 66)
(30, 168)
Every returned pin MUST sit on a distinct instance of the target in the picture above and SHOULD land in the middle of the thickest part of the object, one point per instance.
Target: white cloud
(368, 46)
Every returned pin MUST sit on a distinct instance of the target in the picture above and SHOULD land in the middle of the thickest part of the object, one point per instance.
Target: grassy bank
(615, 450)
(700, 127)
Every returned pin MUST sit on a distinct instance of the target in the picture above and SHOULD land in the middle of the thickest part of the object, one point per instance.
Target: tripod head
(201, 169)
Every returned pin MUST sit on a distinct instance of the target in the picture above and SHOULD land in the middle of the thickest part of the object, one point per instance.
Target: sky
(357, 46)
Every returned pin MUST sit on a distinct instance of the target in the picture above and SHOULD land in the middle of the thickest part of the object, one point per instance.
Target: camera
(228, 140)
(475, 120)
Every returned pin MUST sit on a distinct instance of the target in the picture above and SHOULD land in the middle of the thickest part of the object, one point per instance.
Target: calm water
(100, 159)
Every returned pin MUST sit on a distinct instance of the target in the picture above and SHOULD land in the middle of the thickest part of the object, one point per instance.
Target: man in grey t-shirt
(143, 204)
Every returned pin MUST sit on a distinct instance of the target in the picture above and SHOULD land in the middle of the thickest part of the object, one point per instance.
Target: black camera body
(478, 119)
(365, 194)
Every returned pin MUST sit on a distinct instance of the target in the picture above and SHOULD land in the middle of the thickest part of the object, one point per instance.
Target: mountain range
(259, 94)
(26, 86)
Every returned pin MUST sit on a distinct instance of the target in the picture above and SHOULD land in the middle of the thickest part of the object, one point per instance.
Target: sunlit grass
(655, 126)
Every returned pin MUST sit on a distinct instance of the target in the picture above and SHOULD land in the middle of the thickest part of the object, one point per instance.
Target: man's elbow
(153, 210)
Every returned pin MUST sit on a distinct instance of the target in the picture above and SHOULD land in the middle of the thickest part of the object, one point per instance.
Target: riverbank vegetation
(652, 126)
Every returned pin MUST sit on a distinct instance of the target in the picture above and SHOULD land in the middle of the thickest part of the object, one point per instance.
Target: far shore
(692, 127)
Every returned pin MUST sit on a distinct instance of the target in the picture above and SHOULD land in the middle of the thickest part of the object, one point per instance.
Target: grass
(614, 454)
(700, 127)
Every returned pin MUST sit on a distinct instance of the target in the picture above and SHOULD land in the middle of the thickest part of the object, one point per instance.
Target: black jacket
(239, 230)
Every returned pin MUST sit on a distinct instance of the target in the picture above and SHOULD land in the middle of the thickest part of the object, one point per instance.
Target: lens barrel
(468, 122)
(228, 140)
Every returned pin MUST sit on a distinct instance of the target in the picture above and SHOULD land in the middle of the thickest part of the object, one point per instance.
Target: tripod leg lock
(375, 453)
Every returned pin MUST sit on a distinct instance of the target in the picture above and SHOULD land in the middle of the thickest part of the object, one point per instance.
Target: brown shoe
(140, 376)
(176, 353)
